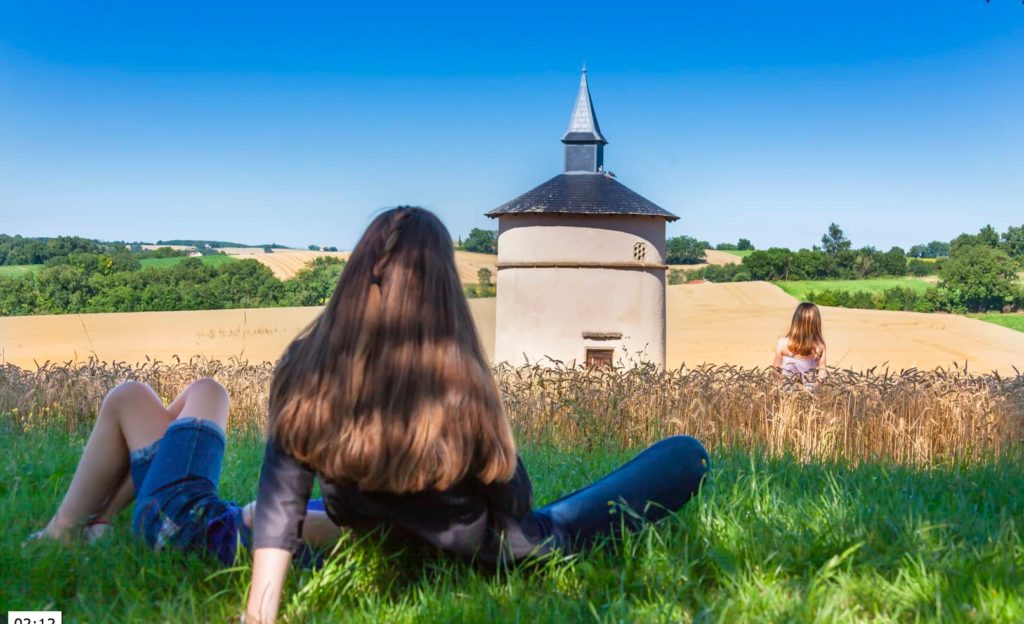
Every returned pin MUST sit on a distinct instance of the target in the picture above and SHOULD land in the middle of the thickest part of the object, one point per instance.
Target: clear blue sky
(294, 122)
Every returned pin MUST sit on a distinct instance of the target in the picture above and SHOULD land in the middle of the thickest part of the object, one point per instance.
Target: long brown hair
(389, 387)
(804, 335)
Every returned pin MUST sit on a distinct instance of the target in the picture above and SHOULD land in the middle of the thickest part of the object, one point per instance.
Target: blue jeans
(655, 483)
(175, 482)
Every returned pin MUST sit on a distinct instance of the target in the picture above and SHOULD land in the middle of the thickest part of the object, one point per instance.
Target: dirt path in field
(718, 323)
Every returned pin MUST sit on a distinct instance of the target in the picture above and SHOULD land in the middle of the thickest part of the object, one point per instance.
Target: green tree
(61, 289)
(745, 245)
(979, 277)
(481, 241)
(774, 263)
(809, 264)
(987, 236)
(167, 252)
(685, 250)
(892, 262)
(483, 277)
(1013, 242)
(314, 284)
(834, 242)
(243, 284)
(919, 268)
(17, 296)
(934, 249)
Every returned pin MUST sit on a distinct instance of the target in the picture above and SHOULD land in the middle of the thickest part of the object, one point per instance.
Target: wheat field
(914, 417)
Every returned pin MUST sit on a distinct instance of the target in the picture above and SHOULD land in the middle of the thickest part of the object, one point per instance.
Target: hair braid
(372, 310)
(390, 242)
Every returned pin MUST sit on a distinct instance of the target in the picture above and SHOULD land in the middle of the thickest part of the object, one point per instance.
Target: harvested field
(255, 334)
(174, 247)
(738, 323)
(285, 263)
(722, 257)
(713, 256)
(707, 323)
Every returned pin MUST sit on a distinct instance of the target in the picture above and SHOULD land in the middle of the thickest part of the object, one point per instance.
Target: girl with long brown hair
(387, 399)
(801, 352)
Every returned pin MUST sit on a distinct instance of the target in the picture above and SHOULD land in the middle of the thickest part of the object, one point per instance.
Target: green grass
(168, 262)
(800, 288)
(21, 269)
(742, 253)
(15, 270)
(767, 540)
(1013, 321)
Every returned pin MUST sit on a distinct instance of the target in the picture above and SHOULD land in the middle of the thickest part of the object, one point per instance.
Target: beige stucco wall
(581, 238)
(543, 312)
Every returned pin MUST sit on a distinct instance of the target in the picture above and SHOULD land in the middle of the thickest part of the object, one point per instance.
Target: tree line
(116, 282)
(976, 271)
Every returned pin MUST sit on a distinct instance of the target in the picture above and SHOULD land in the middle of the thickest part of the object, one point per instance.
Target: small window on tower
(640, 252)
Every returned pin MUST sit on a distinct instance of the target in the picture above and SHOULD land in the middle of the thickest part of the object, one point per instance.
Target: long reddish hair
(804, 337)
(389, 387)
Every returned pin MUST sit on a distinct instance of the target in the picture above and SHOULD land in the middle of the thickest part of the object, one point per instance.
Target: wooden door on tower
(599, 357)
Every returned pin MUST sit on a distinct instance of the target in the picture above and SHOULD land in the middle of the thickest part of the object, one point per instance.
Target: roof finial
(584, 67)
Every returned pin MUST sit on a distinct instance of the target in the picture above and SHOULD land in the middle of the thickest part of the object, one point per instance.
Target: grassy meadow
(891, 497)
(217, 260)
(17, 270)
(739, 253)
(800, 288)
(1013, 321)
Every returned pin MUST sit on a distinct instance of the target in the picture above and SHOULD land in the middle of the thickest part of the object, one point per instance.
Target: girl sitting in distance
(801, 353)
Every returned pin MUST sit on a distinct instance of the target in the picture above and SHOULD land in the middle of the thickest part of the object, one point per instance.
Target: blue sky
(295, 122)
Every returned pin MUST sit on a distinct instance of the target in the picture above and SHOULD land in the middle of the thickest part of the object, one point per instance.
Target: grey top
(798, 366)
(468, 519)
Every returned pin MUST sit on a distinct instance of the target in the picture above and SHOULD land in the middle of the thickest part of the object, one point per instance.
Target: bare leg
(131, 416)
(124, 495)
(205, 399)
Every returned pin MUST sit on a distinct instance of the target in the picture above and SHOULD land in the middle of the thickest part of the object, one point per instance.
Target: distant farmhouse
(581, 272)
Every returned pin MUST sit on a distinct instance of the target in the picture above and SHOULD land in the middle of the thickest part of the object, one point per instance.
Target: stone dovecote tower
(581, 274)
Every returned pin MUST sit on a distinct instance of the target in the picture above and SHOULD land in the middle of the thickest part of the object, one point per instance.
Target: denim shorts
(175, 481)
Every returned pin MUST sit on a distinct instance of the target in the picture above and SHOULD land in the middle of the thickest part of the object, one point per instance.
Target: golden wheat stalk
(913, 416)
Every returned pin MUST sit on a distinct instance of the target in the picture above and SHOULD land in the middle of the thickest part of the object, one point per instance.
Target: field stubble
(913, 417)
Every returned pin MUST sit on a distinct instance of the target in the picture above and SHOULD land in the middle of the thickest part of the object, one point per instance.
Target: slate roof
(583, 126)
(582, 193)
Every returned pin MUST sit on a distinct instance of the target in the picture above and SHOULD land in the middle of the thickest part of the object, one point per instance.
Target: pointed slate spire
(583, 126)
